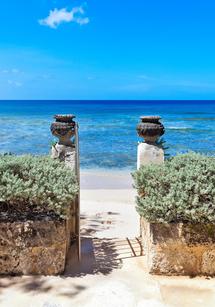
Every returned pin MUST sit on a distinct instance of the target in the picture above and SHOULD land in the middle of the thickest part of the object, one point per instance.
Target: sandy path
(111, 273)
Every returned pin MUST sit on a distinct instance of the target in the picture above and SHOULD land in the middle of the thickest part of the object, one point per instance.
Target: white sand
(106, 179)
(111, 214)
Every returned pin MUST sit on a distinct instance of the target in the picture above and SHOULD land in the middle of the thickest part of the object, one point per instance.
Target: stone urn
(150, 128)
(64, 129)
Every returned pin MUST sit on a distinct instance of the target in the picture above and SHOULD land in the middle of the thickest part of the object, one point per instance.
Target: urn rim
(150, 118)
(64, 118)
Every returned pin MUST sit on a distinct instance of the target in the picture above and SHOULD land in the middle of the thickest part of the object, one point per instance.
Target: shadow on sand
(101, 256)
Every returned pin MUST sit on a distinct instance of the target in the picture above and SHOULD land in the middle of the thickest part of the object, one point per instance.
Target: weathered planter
(179, 248)
(36, 245)
(64, 129)
(150, 128)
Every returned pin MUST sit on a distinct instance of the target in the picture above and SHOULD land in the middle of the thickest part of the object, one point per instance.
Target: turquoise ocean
(108, 137)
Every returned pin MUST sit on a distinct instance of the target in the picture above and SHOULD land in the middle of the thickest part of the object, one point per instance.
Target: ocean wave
(190, 130)
(180, 128)
(200, 118)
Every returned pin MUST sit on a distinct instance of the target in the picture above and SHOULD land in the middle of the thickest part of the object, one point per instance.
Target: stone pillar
(67, 151)
(148, 152)
(64, 150)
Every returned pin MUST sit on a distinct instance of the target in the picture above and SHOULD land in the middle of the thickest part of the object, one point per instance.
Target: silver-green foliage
(180, 190)
(37, 181)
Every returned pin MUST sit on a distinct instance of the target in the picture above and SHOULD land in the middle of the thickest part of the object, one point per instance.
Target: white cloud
(56, 17)
(10, 71)
(14, 83)
(146, 77)
(15, 71)
(90, 78)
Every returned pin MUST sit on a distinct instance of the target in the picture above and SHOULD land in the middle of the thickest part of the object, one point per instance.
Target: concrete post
(148, 153)
(64, 153)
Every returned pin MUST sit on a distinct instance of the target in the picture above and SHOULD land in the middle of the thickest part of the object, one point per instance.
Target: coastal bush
(180, 190)
(40, 183)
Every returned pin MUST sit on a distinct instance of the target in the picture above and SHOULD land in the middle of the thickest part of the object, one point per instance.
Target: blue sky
(107, 49)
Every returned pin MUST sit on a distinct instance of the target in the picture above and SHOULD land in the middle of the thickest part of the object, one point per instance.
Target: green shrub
(180, 190)
(41, 182)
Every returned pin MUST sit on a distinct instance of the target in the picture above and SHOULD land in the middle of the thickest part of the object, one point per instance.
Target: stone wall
(179, 249)
(35, 247)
